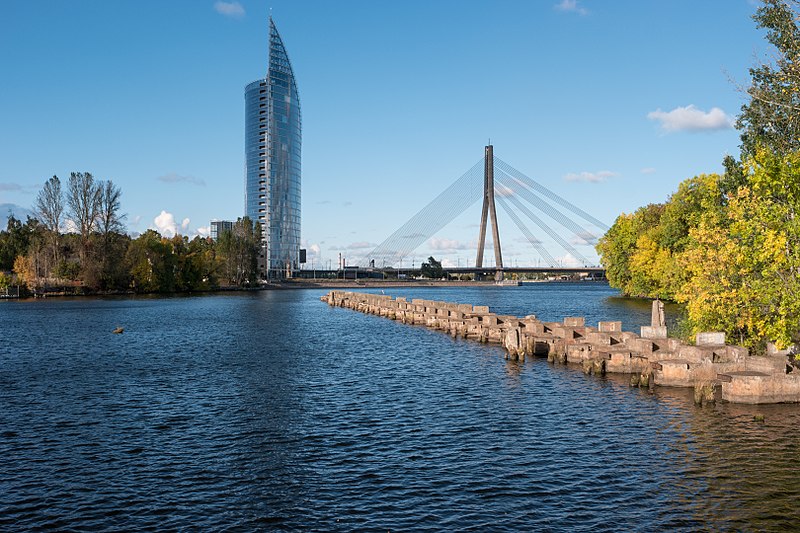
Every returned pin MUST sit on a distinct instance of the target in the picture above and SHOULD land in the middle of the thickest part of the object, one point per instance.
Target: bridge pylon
(489, 212)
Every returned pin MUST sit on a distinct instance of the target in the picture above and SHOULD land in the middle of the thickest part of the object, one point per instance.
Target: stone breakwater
(716, 370)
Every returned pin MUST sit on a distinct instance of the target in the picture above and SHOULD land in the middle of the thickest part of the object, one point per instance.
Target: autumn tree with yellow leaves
(728, 246)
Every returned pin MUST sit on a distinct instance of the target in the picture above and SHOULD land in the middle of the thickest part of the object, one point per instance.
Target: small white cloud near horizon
(203, 231)
(568, 261)
(692, 119)
(590, 177)
(571, 6)
(167, 226)
(229, 9)
(648, 170)
(172, 177)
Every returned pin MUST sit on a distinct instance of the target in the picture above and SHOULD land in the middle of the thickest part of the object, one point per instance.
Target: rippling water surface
(274, 411)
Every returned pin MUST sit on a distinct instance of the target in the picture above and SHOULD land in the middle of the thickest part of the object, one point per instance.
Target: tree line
(76, 241)
(728, 245)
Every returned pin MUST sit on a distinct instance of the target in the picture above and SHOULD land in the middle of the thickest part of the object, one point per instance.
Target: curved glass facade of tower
(272, 141)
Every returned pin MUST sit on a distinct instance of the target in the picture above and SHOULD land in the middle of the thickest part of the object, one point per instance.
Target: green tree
(14, 241)
(618, 247)
(431, 269)
(238, 251)
(151, 263)
(112, 242)
(772, 116)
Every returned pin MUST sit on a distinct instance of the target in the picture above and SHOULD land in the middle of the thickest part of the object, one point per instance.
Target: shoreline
(289, 285)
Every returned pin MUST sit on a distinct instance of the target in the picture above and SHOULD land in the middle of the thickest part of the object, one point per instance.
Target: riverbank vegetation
(728, 245)
(76, 244)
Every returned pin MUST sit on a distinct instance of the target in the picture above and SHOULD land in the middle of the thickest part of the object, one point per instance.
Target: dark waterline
(275, 411)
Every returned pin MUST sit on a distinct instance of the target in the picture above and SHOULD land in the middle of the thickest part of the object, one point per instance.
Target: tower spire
(489, 213)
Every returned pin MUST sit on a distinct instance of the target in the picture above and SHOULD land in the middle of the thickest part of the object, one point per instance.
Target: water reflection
(274, 411)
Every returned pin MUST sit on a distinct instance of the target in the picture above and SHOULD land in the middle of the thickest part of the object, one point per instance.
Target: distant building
(272, 160)
(218, 226)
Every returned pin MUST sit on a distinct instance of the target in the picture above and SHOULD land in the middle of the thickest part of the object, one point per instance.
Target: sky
(609, 104)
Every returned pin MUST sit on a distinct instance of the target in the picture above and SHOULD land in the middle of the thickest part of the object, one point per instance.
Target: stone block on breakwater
(651, 358)
(654, 332)
(609, 327)
(757, 387)
(710, 338)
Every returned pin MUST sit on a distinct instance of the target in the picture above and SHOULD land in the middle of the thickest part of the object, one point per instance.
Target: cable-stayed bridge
(523, 199)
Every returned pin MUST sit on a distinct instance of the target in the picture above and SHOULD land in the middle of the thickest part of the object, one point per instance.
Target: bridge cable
(431, 219)
(528, 195)
(452, 202)
(547, 229)
(536, 243)
(550, 194)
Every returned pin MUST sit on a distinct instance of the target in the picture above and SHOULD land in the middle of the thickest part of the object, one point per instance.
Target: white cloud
(591, 177)
(571, 6)
(229, 9)
(70, 227)
(690, 118)
(313, 250)
(135, 221)
(568, 261)
(503, 191)
(446, 245)
(172, 177)
(166, 225)
(203, 231)
(648, 170)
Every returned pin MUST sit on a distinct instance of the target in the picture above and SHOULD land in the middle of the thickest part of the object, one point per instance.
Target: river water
(273, 411)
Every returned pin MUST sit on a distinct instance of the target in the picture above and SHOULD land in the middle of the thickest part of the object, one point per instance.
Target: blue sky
(610, 104)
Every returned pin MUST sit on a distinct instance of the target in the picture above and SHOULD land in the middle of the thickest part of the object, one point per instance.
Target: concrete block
(489, 320)
(710, 338)
(654, 332)
(673, 373)
(574, 321)
(756, 387)
(568, 332)
(792, 350)
(625, 362)
(609, 327)
(579, 352)
(643, 346)
(770, 365)
(600, 338)
(535, 328)
(480, 309)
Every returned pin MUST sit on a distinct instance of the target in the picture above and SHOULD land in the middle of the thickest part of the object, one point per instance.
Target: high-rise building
(272, 141)
(218, 227)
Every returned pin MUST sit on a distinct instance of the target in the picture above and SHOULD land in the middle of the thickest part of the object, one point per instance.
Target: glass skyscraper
(272, 141)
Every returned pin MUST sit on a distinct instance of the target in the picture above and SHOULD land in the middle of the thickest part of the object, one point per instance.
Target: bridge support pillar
(489, 212)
